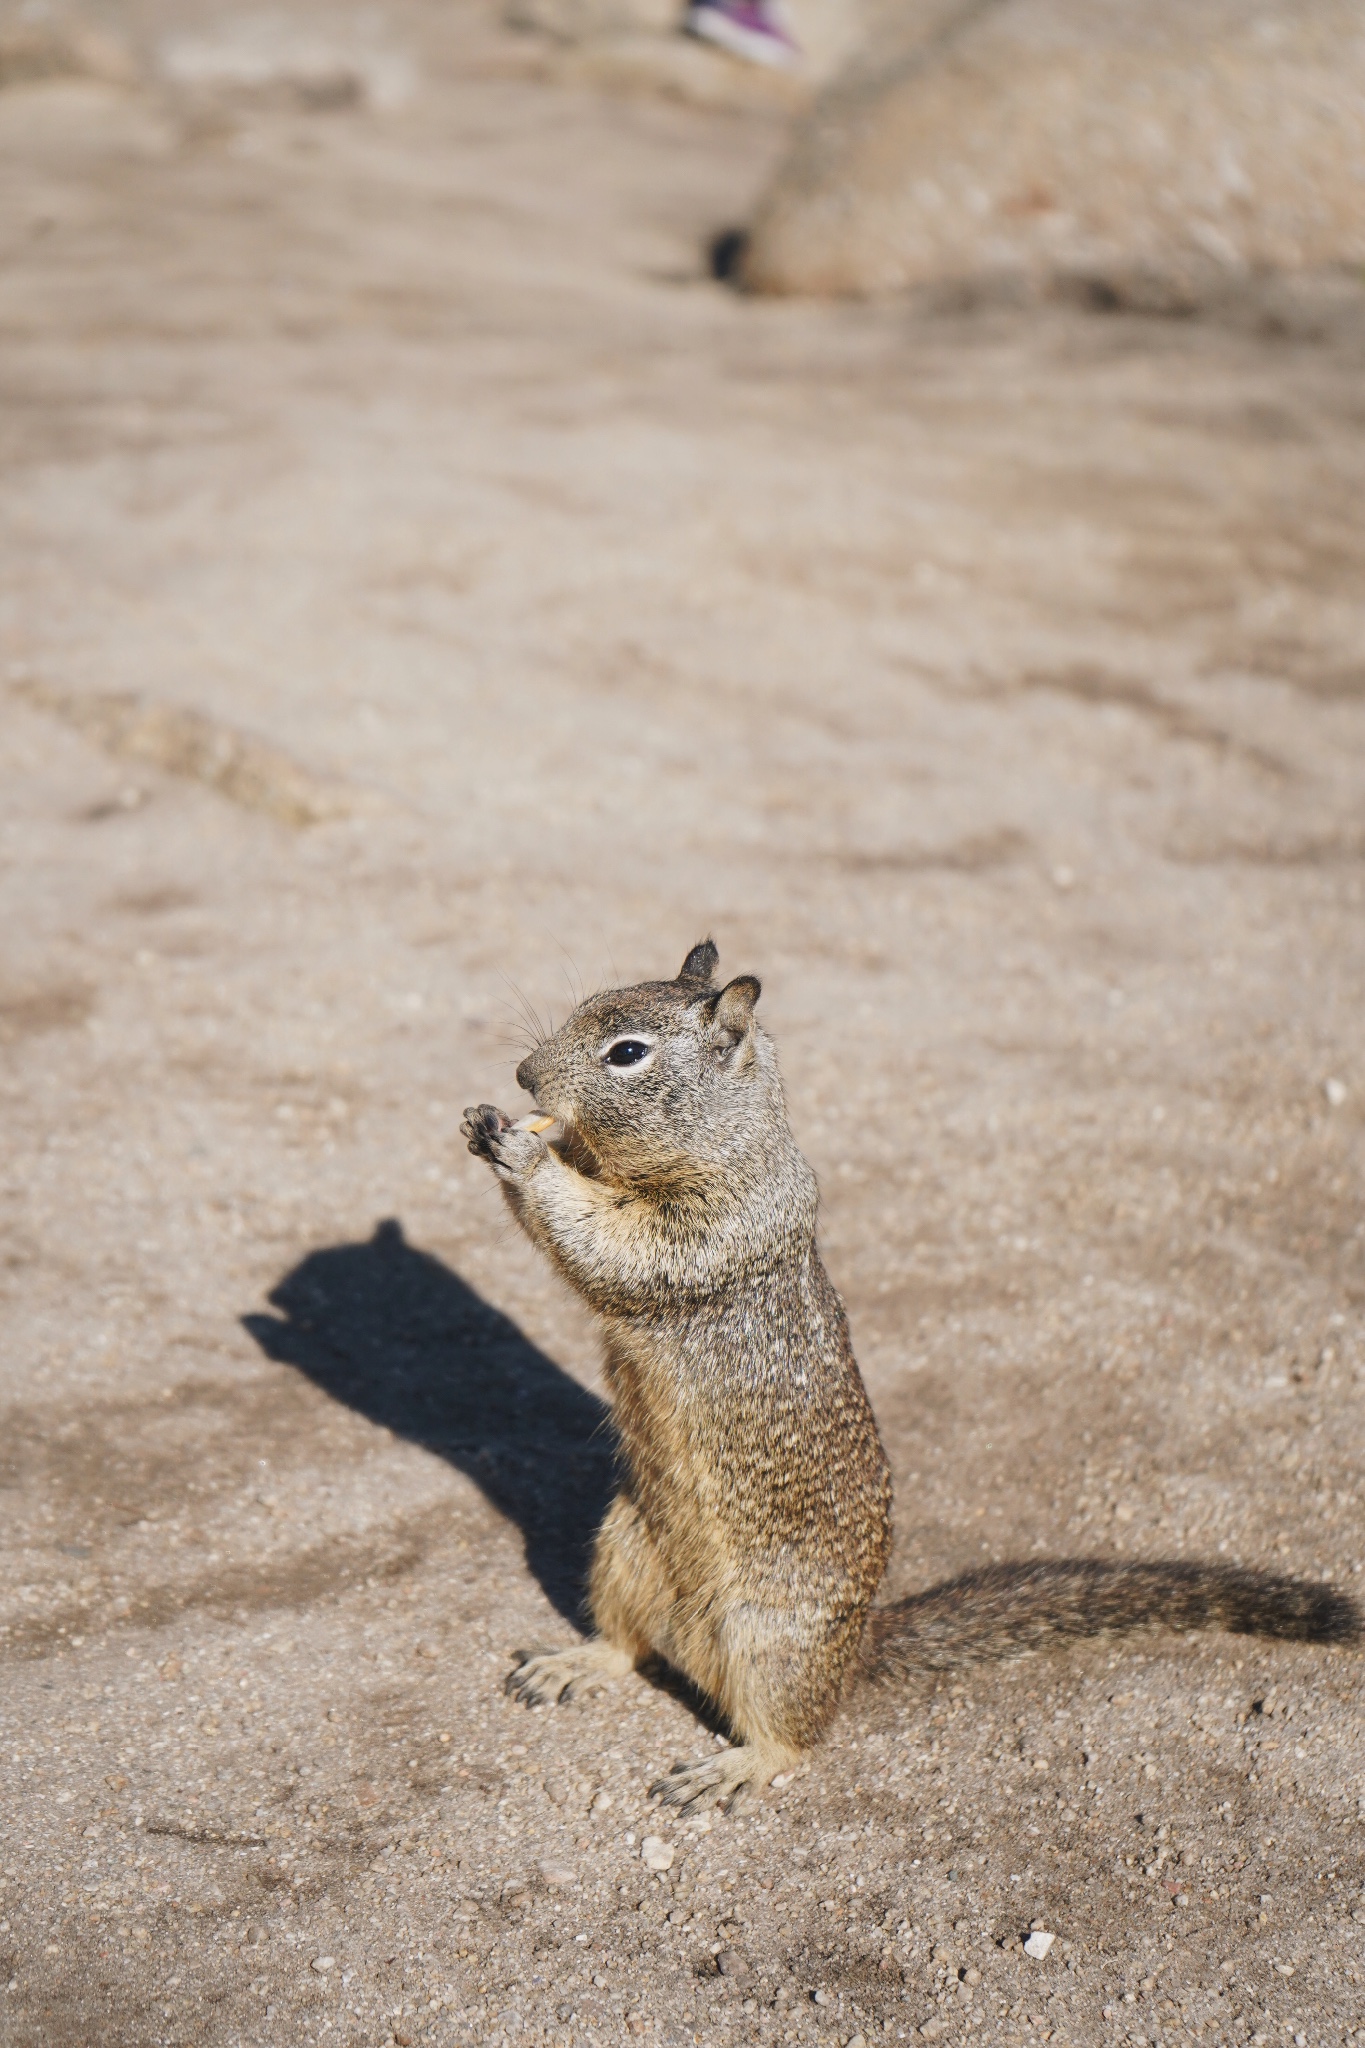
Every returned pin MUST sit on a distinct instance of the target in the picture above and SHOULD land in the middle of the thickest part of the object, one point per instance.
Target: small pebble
(731, 1963)
(557, 1874)
(1038, 1944)
(1335, 1090)
(656, 1853)
(324, 1963)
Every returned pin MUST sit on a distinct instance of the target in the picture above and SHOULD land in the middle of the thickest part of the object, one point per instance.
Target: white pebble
(324, 1963)
(1335, 1090)
(1038, 1944)
(557, 1874)
(656, 1853)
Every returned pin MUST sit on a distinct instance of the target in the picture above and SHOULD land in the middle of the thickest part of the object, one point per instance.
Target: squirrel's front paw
(492, 1135)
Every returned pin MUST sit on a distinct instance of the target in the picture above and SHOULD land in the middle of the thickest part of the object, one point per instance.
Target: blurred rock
(1145, 153)
(578, 21)
(265, 56)
(36, 48)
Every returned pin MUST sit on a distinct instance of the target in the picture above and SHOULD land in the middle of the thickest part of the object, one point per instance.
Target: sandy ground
(989, 681)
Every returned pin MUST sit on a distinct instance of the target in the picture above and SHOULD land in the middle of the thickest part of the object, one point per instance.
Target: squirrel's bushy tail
(1004, 1610)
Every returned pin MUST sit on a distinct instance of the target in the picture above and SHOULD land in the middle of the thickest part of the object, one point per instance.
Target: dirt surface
(420, 585)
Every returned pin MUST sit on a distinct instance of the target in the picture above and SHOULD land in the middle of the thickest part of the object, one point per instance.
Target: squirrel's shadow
(399, 1337)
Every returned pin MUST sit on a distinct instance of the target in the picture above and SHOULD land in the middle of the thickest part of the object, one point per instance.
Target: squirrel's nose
(526, 1074)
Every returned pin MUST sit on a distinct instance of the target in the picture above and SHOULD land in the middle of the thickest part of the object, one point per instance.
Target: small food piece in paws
(534, 1123)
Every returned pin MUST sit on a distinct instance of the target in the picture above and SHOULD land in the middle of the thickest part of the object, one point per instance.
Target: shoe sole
(710, 25)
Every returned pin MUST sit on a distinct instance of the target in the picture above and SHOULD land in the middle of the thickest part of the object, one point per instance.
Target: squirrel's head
(663, 1078)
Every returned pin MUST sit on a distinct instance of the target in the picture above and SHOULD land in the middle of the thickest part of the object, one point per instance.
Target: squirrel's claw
(483, 1126)
(722, 1780)
(511, 1150)
(528, 1680)
(541, 1677)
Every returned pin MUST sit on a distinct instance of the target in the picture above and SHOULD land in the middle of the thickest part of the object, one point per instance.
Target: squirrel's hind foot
(540, 1677)
(725, 1779)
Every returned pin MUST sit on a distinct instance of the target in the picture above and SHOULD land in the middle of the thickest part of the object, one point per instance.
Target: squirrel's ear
(732, 1013)
(701, 962)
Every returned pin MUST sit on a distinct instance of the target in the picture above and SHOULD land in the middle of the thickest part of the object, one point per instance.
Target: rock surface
(1146, 151)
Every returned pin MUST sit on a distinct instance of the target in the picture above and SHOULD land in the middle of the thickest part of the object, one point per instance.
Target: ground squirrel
(753, 1523)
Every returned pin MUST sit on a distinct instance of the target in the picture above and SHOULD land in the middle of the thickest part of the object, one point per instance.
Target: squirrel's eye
(627, 1052)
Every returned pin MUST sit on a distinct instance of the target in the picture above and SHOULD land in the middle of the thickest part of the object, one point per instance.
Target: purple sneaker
(752, 29)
